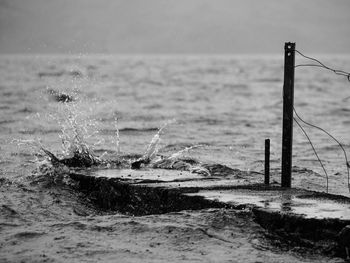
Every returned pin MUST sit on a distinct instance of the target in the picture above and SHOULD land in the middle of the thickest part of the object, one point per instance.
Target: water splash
(47, 167)
(33, 145)
(153, 147)
(76, 129)
(198, 169)
(77, 152)
(178, 161)
(193, 168)
(177, 155)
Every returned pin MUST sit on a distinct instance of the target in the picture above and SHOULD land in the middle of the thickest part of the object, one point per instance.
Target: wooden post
(267, 161)
(288, 100)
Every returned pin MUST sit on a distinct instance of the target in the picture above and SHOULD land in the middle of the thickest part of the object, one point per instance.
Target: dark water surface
(230, 105)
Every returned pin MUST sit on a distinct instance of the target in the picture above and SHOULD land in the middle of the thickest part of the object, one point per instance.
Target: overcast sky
(173, 26)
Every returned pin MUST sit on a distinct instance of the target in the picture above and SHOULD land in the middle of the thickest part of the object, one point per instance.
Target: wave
(39, 131)
(273, 80)
(7, 121)
(75, 224)
(208, 121)
(176, 146)
(127, 130)
(5, 209)
(29, 234)
(60, 73)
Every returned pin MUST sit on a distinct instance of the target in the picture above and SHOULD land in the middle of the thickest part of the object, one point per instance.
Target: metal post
(288, 100)
(267, 161)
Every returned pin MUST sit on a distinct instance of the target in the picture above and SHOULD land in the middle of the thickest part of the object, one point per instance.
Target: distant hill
(181, 26)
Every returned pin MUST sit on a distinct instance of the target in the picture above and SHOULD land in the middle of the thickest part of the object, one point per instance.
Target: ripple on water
(28, 234)
(220, 89)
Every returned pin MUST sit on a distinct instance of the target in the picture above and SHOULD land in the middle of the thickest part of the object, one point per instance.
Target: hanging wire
(337, 72)
(322, 65)
(330, 135)
(313, 148)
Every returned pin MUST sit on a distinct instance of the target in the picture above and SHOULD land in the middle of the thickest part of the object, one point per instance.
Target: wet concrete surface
(294, 201)
(303, 217)
(230, 190)
(148, 175)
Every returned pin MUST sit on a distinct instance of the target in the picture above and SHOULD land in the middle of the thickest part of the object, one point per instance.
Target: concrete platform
(295, 201)
(296, 214)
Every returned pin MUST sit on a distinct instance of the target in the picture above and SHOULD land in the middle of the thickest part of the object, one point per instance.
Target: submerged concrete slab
(228, 190)
(168, 178)
(295, 201)
(147, 175)
(295, 214)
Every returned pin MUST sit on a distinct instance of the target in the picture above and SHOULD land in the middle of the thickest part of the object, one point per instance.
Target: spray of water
(200, 170)
(76, 129)
(33, 145)
(153, 147)
(180, 162)
(179, 154)
(48, 168)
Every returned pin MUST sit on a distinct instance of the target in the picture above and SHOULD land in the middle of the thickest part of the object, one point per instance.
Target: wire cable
(322, 65)
(338, 72)
(341, 72)
(330, 135)
(313, 148)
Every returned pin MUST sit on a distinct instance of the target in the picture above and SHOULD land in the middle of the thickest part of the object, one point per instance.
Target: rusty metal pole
(288, 100)
(267, 161)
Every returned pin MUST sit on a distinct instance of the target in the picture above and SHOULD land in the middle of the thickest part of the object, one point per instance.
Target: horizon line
(180, 54)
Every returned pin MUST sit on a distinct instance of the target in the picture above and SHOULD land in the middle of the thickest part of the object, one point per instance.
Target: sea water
(225, 105)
